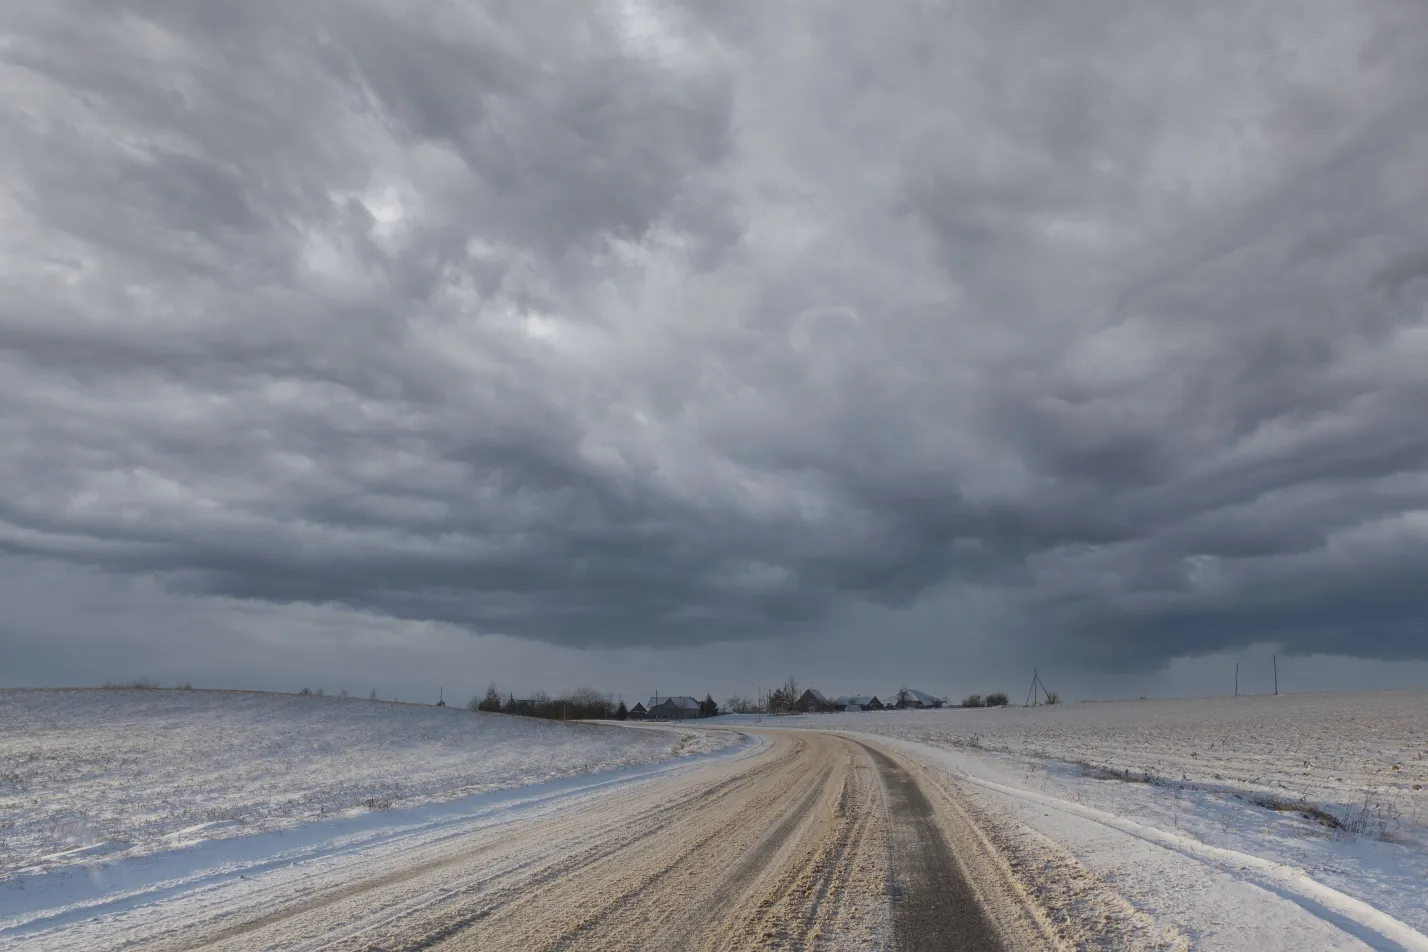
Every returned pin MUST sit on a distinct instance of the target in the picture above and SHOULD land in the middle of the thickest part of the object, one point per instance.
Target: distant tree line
(583, 704)
(578, 705)
(589, 704)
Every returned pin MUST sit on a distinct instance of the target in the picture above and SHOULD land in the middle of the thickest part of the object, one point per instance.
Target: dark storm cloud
(644, 324)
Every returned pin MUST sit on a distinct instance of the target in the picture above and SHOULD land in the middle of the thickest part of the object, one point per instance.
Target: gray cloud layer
(637, 323)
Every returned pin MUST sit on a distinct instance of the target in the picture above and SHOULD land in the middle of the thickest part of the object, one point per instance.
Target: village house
(812, 702)
(672, 708)
(911, 699)
(858, 702)
(638, 712)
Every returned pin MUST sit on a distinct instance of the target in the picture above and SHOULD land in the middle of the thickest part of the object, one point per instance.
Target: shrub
(973, 700)
(997, 700)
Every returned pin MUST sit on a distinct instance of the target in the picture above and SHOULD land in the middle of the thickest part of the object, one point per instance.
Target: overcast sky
(693, 345)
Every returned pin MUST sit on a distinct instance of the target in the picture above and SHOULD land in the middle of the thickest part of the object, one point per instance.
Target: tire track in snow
(934, 906)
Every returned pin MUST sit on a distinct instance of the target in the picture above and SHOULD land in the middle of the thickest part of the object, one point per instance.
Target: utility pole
(1038, 688)
(1237, 679)
(1276, 675)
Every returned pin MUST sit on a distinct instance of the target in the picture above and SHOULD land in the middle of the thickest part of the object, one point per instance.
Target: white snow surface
(1159, 799)
(89, 775)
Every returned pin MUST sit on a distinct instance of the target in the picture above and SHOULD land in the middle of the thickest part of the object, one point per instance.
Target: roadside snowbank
(87, 774)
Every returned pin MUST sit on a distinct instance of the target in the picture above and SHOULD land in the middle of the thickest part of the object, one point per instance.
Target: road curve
(815, 842)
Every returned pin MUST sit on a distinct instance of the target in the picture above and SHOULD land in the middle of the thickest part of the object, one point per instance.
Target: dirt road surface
(814, 841)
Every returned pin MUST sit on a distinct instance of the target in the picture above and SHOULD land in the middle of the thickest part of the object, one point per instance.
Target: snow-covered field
(86, 774)
(1253, 823)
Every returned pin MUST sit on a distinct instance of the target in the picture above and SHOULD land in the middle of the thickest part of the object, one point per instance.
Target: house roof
(686, 703)
(816, 695)
(639, 705)
(921, 697)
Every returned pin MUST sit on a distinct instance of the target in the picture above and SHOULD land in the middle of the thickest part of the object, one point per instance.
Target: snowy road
(785, 845)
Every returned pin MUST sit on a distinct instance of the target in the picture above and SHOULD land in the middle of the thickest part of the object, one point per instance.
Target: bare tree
(585, 703)
(782, 699)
